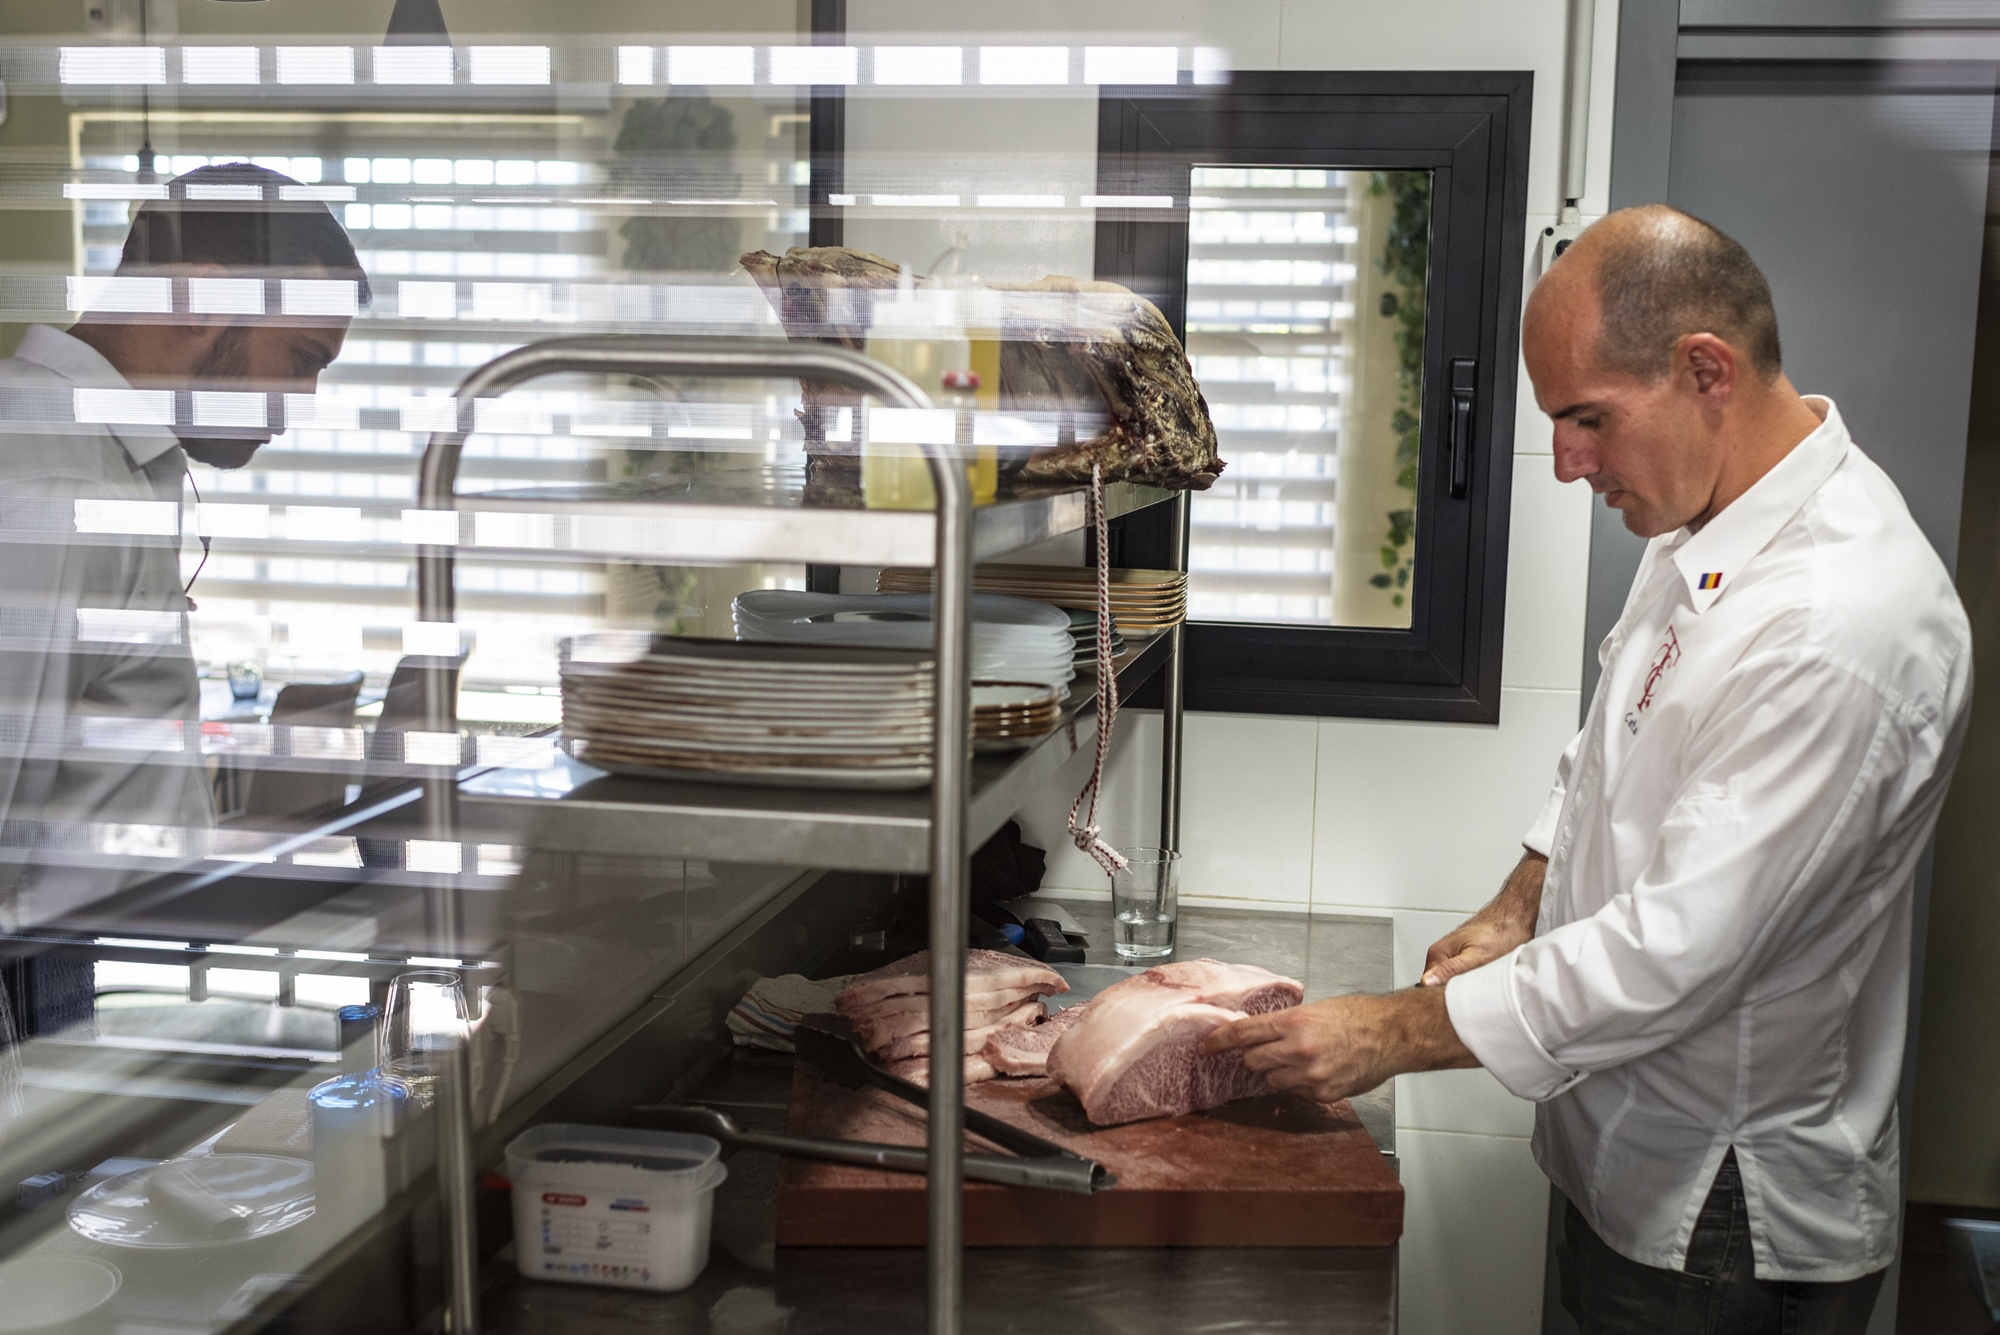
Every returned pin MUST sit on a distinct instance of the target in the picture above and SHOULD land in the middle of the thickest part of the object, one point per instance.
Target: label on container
(605, 1240)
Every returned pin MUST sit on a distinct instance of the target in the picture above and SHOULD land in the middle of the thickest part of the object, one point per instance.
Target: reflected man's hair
(236, 215)
(1662, 275)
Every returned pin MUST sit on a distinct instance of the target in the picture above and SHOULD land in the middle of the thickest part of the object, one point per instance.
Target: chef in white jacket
(232, 293)
(1700, 967)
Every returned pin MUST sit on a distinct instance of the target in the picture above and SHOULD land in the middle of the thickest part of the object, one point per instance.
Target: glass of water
(427, 1016)
(1145, 902)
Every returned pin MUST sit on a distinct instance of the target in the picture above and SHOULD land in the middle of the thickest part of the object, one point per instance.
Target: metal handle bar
(952, 760)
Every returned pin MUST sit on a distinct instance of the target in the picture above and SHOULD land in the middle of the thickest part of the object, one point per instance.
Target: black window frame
(1471, 129)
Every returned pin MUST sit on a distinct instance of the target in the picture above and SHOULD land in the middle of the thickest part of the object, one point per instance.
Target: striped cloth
(770, 1010)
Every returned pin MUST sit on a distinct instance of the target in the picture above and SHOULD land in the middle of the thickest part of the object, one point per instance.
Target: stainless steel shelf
(761, 516)
(572, 807)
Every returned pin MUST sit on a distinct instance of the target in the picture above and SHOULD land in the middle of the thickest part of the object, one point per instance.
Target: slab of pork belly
(1024, 1050)
(876, 1030)
(919, 1044)
(919, 1003)
(917, 1070)
(1235, 987)
(985, 971)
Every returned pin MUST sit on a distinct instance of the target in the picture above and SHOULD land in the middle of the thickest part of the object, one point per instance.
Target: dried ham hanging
(1093, 355)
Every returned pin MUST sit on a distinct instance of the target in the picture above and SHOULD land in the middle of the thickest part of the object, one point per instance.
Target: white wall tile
(1475, 1216)
(1128, 809)
(1430, 815)
(1247, 821)
(1246, 806)
(1548, 578)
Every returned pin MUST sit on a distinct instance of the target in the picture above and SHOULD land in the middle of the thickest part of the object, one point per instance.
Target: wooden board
(1282, 1171)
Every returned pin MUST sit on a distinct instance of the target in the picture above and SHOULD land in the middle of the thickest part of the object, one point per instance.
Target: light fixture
(417, 23)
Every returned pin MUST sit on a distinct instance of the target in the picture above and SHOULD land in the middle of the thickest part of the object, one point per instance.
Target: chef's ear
(1710, 363)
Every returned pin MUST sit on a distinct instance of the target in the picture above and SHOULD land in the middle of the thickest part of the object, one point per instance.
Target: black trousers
(1717, 1294)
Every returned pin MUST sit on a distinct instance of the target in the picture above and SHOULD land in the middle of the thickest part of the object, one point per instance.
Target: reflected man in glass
(229, 295)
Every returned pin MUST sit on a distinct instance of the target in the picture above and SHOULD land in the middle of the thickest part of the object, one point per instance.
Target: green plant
(1405, 263)
(688, 138)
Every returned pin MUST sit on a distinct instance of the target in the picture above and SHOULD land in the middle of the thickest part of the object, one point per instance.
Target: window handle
(1464, 376)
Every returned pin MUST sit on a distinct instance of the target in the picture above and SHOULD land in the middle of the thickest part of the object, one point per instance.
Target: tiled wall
(1417, 822)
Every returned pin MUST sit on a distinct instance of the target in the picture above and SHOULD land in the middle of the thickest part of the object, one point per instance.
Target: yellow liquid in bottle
(897, 476)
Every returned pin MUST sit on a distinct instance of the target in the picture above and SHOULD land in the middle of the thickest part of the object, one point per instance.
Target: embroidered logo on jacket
(1668, 655)
(1712, 580)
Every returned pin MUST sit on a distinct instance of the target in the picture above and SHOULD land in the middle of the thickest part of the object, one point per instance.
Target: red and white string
(1087, 835)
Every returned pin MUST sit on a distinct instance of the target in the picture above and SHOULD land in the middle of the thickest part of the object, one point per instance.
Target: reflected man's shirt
(1723, 954)
(99, 700)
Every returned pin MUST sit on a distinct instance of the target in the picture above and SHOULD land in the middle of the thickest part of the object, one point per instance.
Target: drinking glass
(426, 1018)
(1145, 903)
(246, 678)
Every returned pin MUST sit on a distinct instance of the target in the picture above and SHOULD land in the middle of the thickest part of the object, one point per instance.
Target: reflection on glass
(1305, 323)
(426, 1018)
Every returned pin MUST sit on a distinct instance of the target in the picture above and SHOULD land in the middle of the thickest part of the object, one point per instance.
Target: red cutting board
(1281, 1171)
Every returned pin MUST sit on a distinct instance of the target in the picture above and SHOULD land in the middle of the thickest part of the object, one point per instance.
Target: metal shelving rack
(968, 798)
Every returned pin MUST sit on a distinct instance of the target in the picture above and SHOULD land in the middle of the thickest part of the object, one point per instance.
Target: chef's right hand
(1477, 941)
(1503, 925)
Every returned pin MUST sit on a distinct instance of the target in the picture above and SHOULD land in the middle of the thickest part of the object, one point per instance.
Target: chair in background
(283, 796)
(402, 712)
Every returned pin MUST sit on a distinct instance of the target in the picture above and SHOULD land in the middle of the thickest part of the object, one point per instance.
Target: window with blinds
(479, 233)
(1305, 324)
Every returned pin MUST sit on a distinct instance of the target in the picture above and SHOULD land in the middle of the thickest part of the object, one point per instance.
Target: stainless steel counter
(750, 1288)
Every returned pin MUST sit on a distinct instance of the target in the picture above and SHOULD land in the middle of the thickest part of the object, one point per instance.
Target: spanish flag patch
(1712, 580)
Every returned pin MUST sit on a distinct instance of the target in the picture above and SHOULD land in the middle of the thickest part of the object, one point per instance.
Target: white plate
(270, 1193)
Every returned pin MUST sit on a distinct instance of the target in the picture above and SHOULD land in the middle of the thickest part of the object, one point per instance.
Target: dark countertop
(750, 1288)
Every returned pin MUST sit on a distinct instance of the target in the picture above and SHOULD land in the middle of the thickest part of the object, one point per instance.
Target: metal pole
(456, 1194)
(437, 479)
(952, 743)
(1171, 703)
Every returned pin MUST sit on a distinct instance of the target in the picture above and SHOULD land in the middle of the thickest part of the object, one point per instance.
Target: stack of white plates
(723, 710)
(1013, 639)
(1142, 601)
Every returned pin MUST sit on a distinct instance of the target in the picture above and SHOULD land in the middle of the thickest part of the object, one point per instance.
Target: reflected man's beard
(227, 359)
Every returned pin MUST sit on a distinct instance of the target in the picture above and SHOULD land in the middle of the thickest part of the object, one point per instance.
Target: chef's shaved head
(1658, 275)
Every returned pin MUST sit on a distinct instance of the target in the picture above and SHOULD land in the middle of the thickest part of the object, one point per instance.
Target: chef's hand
(1343, 1046)
(1503, 925)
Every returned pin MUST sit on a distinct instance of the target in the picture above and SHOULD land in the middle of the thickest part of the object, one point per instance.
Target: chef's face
(259, 358)
(1648, 446)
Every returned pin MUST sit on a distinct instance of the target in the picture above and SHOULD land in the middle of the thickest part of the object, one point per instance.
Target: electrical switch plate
(1553, 242)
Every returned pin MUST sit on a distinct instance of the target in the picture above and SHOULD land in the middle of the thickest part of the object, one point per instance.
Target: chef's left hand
(1343, 1046)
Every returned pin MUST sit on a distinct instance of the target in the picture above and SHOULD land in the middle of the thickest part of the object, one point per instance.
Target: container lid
(662, 1158)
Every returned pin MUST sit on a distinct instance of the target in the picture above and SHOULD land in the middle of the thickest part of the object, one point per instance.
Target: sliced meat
(985, 971)
(1134, 1053)
(918, 1045)
(1024, 1050)
(1234, 987)
(877, 1030)
(919, 1003)
(917, 1070)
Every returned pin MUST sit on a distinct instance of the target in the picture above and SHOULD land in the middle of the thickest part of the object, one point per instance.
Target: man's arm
(1507, 922)
(1347, 1045)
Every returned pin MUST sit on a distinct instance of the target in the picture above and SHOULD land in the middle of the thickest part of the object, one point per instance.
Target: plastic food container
(603, 1205)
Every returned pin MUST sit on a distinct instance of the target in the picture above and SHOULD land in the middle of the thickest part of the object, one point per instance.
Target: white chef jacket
(1723, 954)
(99, 701)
